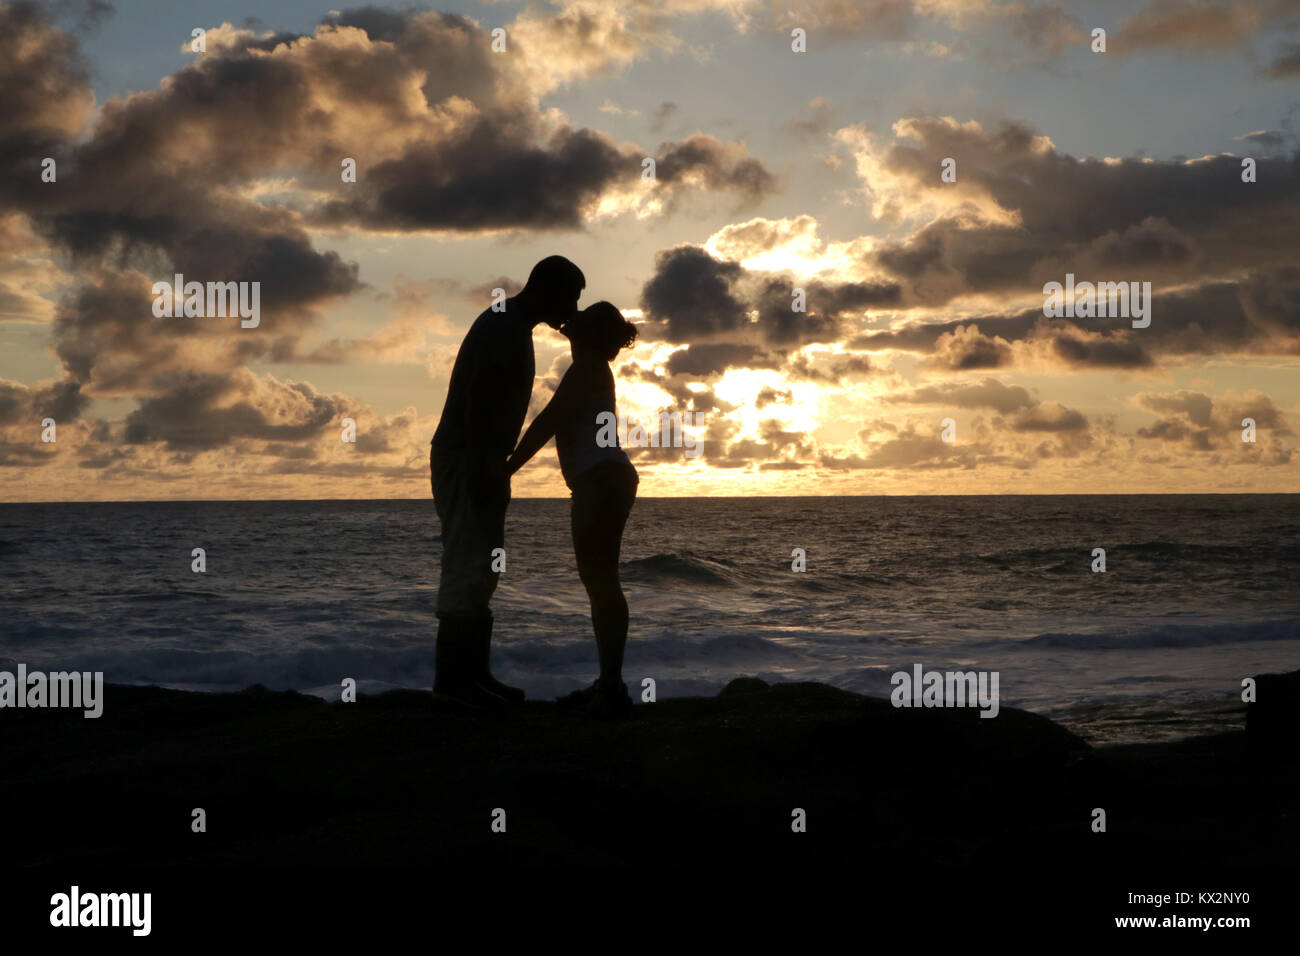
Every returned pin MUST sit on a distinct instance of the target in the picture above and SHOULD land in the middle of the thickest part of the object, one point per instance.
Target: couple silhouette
(473, 455)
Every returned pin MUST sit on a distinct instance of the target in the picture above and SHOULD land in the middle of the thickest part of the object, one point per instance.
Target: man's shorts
(472, 528)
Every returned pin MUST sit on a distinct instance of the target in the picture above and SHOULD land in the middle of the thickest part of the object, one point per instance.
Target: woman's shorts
(603, 496)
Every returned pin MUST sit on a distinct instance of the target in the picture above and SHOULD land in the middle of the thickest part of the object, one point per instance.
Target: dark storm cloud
(205, 411)
(839, 298)
(781, 326)
(107, 319)
(472, 153)
(716, 165)
(142, 191)
(494, 173)
(690, 294)
(1287, 61)
(29, 405)
(23, 409)
(706, 360)
(488, 176)
(1099, 353)
(1257, 315)
(1165, 221)
(1151, 242)
(166, 181)
(696, 298)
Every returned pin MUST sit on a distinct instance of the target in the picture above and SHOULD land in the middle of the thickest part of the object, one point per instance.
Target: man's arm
(486, 436)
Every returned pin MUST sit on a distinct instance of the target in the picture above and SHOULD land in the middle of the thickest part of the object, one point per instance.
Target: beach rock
(392, 780)
(1273, 719)
(743, 685)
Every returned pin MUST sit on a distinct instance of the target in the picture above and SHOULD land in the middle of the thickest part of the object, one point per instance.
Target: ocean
(1199, 592)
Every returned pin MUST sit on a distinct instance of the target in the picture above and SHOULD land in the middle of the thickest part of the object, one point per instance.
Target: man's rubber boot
(455, 659)
(484, 636)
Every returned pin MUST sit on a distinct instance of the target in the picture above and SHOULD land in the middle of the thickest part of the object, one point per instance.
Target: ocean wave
(672, 567)
(224, 670)
(1170, 635)
(525, 658)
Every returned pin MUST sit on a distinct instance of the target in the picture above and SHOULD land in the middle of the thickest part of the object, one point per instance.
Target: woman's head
(601, 330)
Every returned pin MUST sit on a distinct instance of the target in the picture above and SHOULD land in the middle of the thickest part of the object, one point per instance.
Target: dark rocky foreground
(701, 782)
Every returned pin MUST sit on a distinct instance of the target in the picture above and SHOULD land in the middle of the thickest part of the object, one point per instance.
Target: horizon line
(991, 494)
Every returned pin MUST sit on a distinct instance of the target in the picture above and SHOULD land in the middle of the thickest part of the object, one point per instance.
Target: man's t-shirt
(491, 383)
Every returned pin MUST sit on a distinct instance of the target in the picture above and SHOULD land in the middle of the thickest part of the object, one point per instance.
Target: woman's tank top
(575, 440)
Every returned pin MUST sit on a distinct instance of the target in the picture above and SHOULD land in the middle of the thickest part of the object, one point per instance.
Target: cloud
(1008, 224)
(1045, 28)
(690, 295)
(451, 138)
(1193, 24)
(28, 405)
(815, 119)
(705, 360)
(1197, 422)
(1286, 62)
(966, 348)
(696, 298)
(716, 166)
(989, 393)
(908, 450)
(200, 412)
(664, 112)
(769, 396)
(186, 178)
(1050, 417)
(1268, 138)
(1213, 251)
(45, 80)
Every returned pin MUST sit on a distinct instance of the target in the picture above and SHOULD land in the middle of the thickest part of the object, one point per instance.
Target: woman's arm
(542, 428)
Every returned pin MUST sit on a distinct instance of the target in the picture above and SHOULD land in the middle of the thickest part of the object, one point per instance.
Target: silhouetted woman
(603, 482)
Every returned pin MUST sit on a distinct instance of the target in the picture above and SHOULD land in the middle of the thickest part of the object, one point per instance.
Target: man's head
(552, 290)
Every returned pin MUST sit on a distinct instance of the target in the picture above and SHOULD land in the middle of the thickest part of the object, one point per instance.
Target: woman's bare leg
(597, 541)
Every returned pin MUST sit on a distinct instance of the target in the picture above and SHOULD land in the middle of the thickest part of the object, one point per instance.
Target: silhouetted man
(487, 399)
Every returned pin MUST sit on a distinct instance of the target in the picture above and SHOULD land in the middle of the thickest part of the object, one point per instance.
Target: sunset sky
(774, 169)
